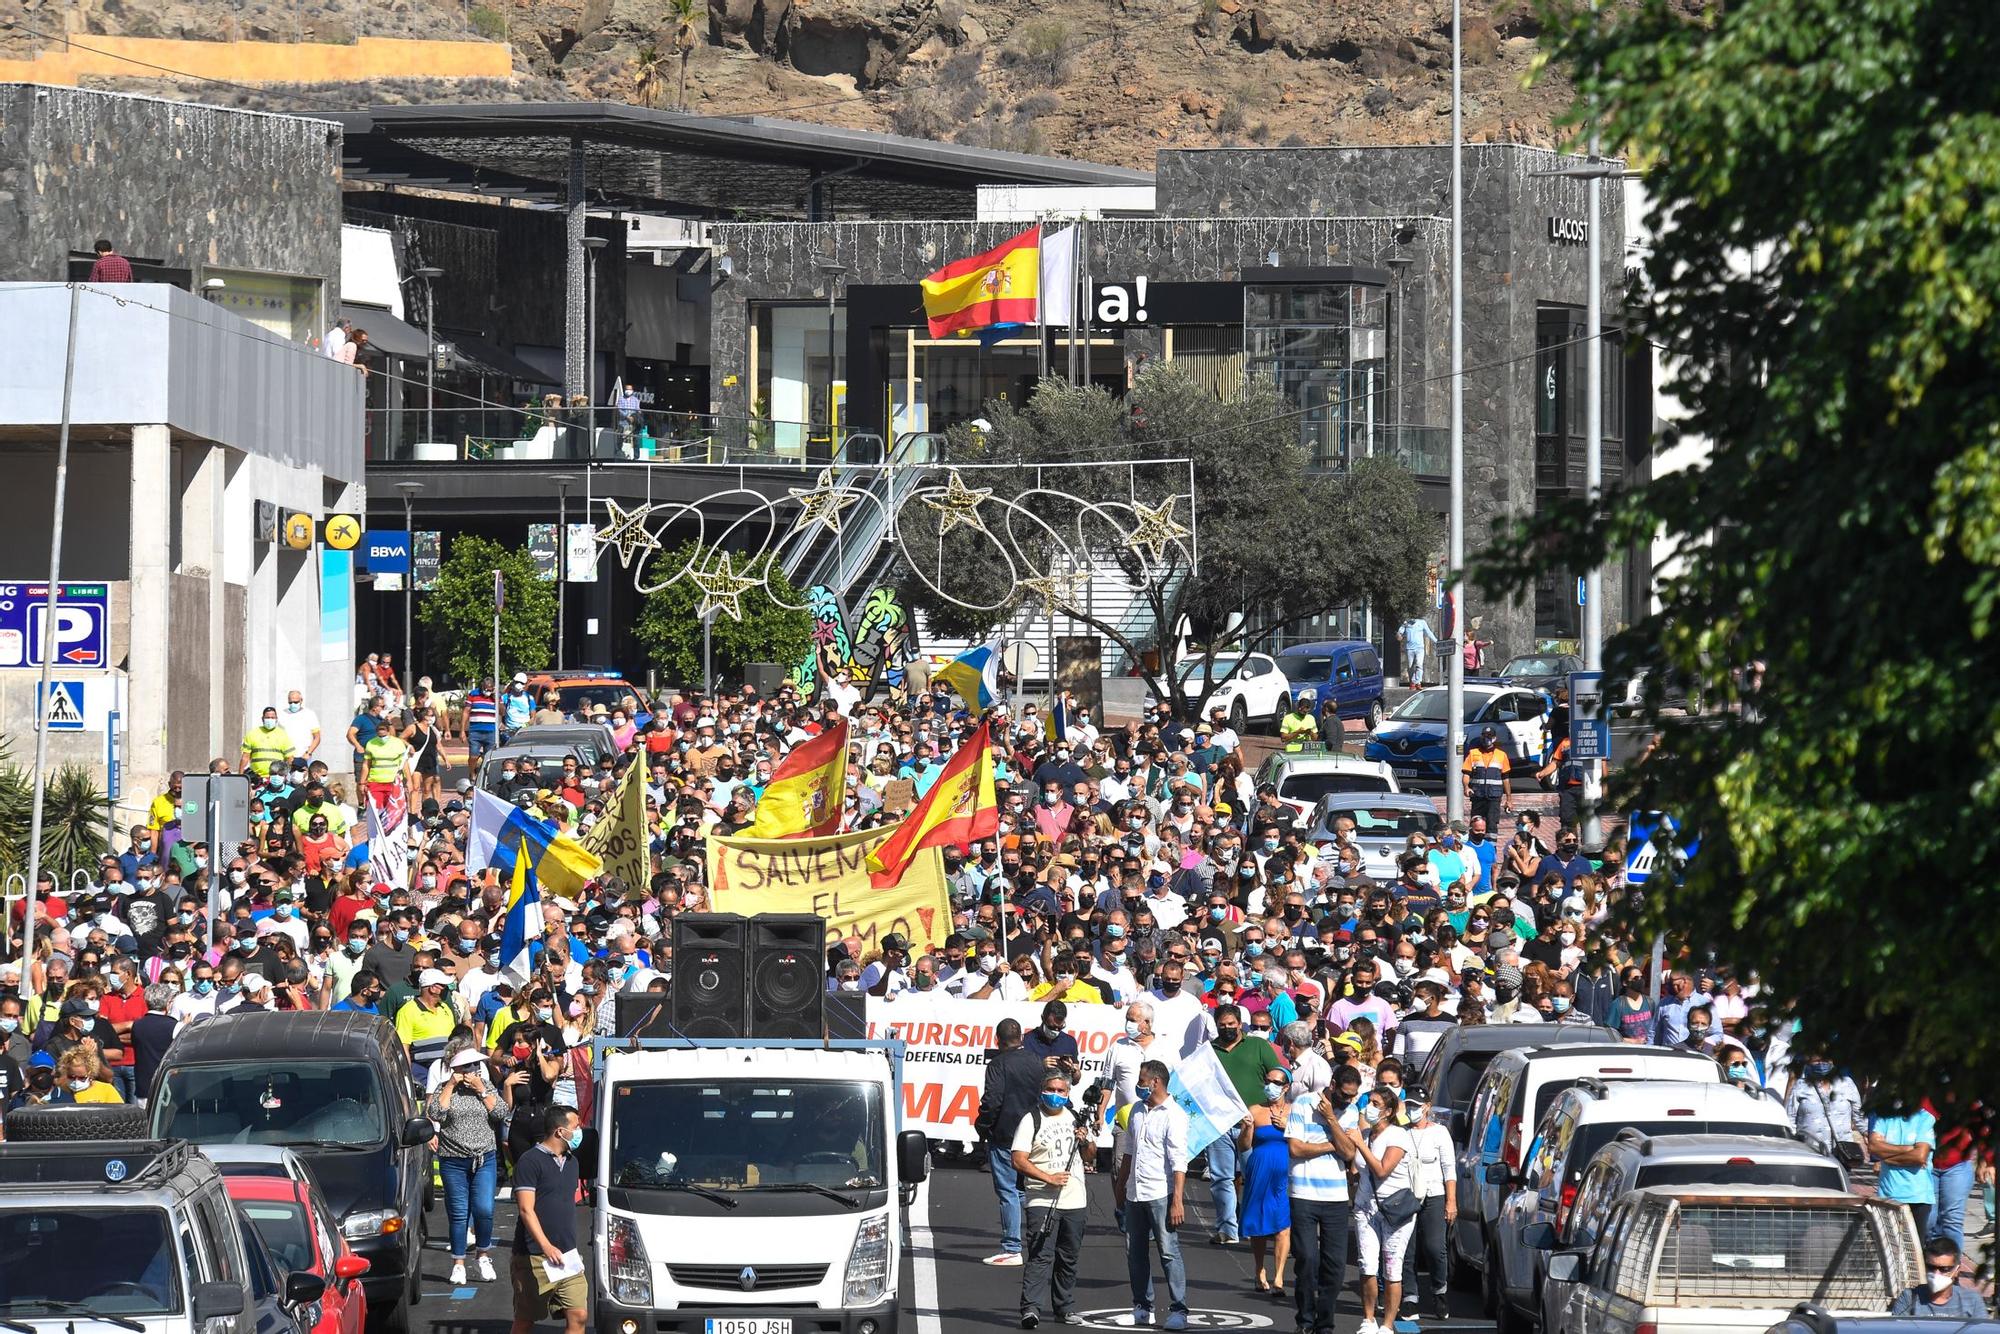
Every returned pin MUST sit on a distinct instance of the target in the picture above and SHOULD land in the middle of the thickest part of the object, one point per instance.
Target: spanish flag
(1002, 286)
(805, 796)
(958, 808)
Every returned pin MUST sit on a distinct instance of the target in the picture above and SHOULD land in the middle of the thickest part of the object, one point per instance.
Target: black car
(335, 1089)
(1541, 671)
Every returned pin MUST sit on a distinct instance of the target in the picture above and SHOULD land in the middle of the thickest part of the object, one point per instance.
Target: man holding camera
(1048, 1150)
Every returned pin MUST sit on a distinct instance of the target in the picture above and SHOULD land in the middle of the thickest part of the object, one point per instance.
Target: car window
(1310, 787)
(1256, 667)
(1366, 663)
(1309, 668)
(285, 1229)
(1604, 1255)
(1503, 709)
(219, 1239)
(1345, 671)
(263, 1282)
(1592, 1195)
(1462, 1083)
(193, 1256)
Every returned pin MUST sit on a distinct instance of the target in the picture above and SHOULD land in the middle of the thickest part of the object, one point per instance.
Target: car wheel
(395, 1320)
(1374, 716)
(1506, 1320)
(1239, 717)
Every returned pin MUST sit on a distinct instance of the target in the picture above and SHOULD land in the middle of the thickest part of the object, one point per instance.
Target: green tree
(1824, 181)
(458, 613)
(670, 631)
(1273, 536)
(74, 812)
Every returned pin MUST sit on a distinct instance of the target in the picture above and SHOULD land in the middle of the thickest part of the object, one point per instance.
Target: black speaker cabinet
(645, 1014)
(787, 975)
(710, 976)
(765, 677)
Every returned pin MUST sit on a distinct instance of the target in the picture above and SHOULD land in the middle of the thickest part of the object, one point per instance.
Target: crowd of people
(1139, 867)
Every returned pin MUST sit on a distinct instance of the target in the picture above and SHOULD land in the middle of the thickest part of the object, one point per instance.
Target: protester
(547, 1273)
(1267, 1211)
(466, 1109)
(1152, 1171)
(1048, 1156)
(1014, 1082)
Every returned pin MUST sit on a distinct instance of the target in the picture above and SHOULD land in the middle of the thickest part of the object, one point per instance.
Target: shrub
(488, 23)
(1042, 49)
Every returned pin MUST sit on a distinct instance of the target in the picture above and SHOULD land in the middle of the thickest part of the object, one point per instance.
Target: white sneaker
(485, 1270)
(458, 1273)
(1369, 1327)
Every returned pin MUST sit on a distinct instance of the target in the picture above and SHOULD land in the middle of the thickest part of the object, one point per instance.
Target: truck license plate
(747, 1325)
(1404, 770)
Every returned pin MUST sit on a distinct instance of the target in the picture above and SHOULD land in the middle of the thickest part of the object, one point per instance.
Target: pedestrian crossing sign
(62, 709)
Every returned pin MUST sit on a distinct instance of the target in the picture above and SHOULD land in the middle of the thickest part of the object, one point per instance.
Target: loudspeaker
(645, 1014)
(846, 1015)
(764, 677)
(710, 980)
(787, 975)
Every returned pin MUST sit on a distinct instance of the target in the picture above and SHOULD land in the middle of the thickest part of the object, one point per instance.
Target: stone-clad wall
(187, 185)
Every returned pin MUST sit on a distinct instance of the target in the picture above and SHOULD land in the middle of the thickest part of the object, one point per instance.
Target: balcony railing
(579, 435)
(1424, 450)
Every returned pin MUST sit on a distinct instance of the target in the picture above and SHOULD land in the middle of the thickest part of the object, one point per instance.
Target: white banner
(945, 1046)
(388, 843)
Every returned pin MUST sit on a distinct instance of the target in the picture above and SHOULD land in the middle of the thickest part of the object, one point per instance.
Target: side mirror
(1496, 1174)
(212, 1301)
(913, 1156)
(1539, 1237)
(417, 1130)
(1564, 1268)
(350, 1267)
(302, 1287)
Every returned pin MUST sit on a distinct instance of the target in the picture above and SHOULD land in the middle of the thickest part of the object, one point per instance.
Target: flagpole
(1041, 303)
(1083, 267)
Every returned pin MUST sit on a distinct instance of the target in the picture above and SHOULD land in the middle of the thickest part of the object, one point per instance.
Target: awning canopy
(386, 333)
(474, 353)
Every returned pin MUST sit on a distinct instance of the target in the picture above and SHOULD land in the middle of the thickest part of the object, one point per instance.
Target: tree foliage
(1825, 205)
(1271, 534)
(74, 815)
(458, 613)
(670, 631)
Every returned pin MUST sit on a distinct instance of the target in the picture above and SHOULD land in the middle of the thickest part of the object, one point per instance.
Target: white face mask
(1939, 1281)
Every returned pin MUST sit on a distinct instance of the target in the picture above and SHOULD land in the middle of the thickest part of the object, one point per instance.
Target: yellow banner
(829, 878)
(620, 840)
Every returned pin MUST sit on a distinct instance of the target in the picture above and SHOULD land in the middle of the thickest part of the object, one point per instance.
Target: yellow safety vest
(1297, 729)
(385, 759)
(267, 746)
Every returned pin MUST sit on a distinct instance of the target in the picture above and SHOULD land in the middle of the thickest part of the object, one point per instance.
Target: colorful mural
(876, 655)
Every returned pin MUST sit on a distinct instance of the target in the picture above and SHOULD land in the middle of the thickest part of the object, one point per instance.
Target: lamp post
(409, 490)
(429, 275)
(832, 272)
(563, 481)
(591, 245)
(1454, 788)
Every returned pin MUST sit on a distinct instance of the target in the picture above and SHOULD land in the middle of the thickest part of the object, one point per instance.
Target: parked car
(1810, 1318)
(303, 1237)
(591, 741)
(1539, 671)
(1383, 823)
(1726, 1260)
(1302, 777)
(1412, 740)
(1258, 693)
(258, 1160)
(1452, 1070)
(1517, 1089)
(335, 1088)
(546, 759)
(1661, 1133)
(1343, 674)
(582, 691)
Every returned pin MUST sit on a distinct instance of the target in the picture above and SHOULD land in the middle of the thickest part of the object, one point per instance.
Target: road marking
(1121, 1318)
(464, 1294)
(923, 1263)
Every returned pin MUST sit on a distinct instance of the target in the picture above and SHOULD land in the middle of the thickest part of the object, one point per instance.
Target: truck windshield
(300, 1103)
(747, 1134)
(108, 1260)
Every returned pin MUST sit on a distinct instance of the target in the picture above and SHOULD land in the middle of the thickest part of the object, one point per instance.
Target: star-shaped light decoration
(627, 532)
(1157, 529)
(823, 502)
(959, 505)
(722, 588)
(1054, 590)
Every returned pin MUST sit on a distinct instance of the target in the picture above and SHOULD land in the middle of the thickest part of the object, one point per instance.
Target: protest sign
(829, 878)
(619, 839)
(946, 1042)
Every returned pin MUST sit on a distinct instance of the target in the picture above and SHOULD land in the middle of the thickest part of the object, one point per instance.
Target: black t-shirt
(152, 1032)
(554, 1184)
(148, 915)
(10, 1078)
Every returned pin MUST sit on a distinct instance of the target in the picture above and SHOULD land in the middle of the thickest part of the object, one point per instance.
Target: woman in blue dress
(1267, 1202)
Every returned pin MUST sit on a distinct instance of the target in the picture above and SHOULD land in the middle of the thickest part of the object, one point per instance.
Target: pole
(832, 368)
(409, 577)
(562, 567)
(48, 650)
(430, 389)
(212, 831)
(1454, 788)
(499, 597)
(1591, 835)
(707, 651)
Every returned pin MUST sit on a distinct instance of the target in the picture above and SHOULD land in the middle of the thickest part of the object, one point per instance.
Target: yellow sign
(619, 839)
(829, 878)
(343, 532)
(299, 531)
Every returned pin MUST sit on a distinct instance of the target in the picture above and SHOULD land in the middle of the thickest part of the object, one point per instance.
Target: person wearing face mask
(267, 745)
(1148, 1188)
(1139, 1045)
(391, 953)
(1267, 1162)
(1249, 1064)
(1940, 1296)
(1013, 1084)
(1825, 1107)
(545, 1234)
(1434, 1182)
(82, 1078)
(14, 1040)
(1632, 1012)
(1048, 1156)
(1322, 1135)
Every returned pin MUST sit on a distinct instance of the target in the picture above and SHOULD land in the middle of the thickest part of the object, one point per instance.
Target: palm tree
(686, 14)
(646, 79)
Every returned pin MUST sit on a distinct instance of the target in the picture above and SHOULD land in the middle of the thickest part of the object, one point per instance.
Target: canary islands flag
(1002, 286)
(975, 676)
(807, 792)
(958, 808)
(504, 836)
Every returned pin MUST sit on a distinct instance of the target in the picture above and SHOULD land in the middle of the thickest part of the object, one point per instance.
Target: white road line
(923, 1264)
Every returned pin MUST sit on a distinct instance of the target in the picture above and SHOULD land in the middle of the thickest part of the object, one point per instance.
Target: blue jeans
(468, 1195)
(1225, 1164)
(1954, 1187)
(479, 740)
(1145, 1221)
(1006, 1185)
(1319, 1249)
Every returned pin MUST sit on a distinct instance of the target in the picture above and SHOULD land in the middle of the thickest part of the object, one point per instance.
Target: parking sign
(81, 617)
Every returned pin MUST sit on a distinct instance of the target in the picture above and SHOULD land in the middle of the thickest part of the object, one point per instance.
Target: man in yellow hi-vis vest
(387, 758)
(267, 745)
(1299, 727)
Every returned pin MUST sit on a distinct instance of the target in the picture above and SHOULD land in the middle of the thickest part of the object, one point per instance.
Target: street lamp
(1454, 790)
(409, 490)
(833, 272)
(429, 275)
(563, 481)
(591, 245)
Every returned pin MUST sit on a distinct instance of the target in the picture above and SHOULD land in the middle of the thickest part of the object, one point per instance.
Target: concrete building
(197, 421)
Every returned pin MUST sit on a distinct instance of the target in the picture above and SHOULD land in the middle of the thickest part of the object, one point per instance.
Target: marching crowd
(1139, 867)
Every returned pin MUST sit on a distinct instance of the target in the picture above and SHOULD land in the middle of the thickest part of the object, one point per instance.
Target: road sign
(343, 531)
(299, 531)
(1654, 842)
(1582, 590)
(1021, 659)
(81, 617)
(1589, 726)
(386, 551)
(61, 709)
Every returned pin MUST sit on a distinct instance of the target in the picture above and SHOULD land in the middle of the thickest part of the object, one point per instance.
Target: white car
(1259, 693)
(1303, 777)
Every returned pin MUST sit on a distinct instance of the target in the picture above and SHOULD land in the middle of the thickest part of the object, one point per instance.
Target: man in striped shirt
(1321, 1132)
(482, 720)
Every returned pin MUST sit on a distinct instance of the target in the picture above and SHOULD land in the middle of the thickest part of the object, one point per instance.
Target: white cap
(432, 977)
(253, 983)
(469, 1057)
(520, 678)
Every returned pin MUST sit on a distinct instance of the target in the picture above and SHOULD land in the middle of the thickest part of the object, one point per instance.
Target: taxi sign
(343, 532)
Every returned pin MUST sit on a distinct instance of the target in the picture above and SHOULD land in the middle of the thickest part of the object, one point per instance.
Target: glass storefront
(789, 359)
(935, 383)
(1561, 379)
(1326, 347)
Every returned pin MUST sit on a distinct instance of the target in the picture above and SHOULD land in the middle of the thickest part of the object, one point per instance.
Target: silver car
(1383, 823)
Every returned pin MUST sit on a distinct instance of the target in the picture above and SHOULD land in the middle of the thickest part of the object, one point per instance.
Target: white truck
(752, 1186)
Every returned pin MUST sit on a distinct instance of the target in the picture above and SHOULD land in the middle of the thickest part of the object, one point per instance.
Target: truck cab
(752, 1187)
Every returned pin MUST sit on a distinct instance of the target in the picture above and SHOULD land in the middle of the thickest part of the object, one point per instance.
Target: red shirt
(125, 1009)
(344, 910)
(112, 268)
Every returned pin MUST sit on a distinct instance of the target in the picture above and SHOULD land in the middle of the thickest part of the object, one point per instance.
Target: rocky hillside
(1110, 80)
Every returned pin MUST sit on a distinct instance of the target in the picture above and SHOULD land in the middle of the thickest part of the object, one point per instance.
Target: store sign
(1569, 231)
(542, 550)
(1120, 303)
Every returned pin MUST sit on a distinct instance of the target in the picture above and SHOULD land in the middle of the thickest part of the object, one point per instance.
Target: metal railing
(1424, 450)
(499, 435)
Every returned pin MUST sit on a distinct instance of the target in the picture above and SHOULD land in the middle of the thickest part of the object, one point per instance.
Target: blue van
(1345, 674)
